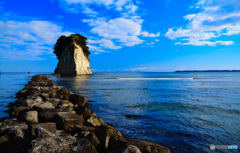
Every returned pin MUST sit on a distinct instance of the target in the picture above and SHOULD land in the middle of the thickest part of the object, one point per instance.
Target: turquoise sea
(186, 112)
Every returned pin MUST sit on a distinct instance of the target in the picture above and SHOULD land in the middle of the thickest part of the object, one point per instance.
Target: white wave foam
(154, 78)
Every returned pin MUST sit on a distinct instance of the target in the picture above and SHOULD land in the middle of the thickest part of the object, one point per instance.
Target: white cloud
(151, 43)
(123, 30)
(28, 40)
(217, 18)
(147, 34)
(156, 39)
(90, 12)
(99, 2)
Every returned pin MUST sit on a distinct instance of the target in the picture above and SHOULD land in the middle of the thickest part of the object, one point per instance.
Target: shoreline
(45, 111)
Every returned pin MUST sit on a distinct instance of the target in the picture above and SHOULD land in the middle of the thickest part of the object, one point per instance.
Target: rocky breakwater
(49, 118)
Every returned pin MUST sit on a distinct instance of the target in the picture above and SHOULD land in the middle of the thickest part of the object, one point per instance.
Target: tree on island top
(65, 41)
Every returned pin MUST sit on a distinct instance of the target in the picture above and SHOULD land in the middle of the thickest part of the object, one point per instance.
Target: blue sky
(123, 35)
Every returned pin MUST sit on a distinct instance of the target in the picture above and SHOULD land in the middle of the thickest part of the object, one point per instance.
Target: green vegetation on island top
(65, 41)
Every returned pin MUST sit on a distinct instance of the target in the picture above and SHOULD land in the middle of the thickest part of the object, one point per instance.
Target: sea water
(186, 112)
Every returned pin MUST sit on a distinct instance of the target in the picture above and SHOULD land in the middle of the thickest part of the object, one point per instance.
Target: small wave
(154, 78)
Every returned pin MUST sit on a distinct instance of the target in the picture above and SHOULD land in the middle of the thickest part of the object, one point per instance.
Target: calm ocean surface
(183, 111)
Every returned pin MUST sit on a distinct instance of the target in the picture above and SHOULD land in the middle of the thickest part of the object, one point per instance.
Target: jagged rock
(10, 122)
(30, 117)
(117, 143)
(65, 103)
(83, 146)
(145, 146)
(83, 111)
(33, 101)
(49, 115)
(77, 99)
(105, 132)
(65, 119)
(73, 61)
(10, 111)
(18, 138)
(128, 149)
(54, 101)
(93, 120)
(91, 137)
(41, 133)
(80, 128)
(49, 126)
(43, 106)
(52, 144)
(44, 96)
(4, 139)
(19, 111)
(63, 91)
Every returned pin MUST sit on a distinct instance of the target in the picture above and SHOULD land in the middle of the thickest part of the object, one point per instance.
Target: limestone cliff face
(73, 61)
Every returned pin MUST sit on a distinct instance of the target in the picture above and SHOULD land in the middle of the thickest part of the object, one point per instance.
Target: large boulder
(19, 111)
(83, 146)
(105, 132)
(30, 117)
(54, 101)
(128, 149)
(53, 143)
(42, 133)
(117, 143)
(146, 146)
(93, 120)
(49, 126)
(77, 99)
(31, 102)
(81, 128)
(10, 122)
(49, 115)
(65, 119)
(91, 137)
(43, 106)
(83, 111)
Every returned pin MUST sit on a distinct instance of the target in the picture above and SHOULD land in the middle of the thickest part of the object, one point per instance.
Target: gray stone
(93, 139)
(10, 122)
(65, 103)
(83, 111)
(80, 128)
(83, 146)
(43, 106)
(77, 99)
(65, 119)
(19, 111)
(54, 101)
(93, 120)
(42, 133)
(49, 126)
(117, 143)
(33, 101)
(49, 115)
(145, 146)
(30, 117)
(129, 149)
(105, 132)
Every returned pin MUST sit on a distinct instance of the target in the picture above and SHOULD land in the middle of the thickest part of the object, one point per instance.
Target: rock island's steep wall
(73, 61)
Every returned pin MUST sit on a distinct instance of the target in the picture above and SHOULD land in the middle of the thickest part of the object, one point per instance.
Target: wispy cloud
(123, 30)
(28, 40)
(216, 18)
(112, 33)
(140, 69)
